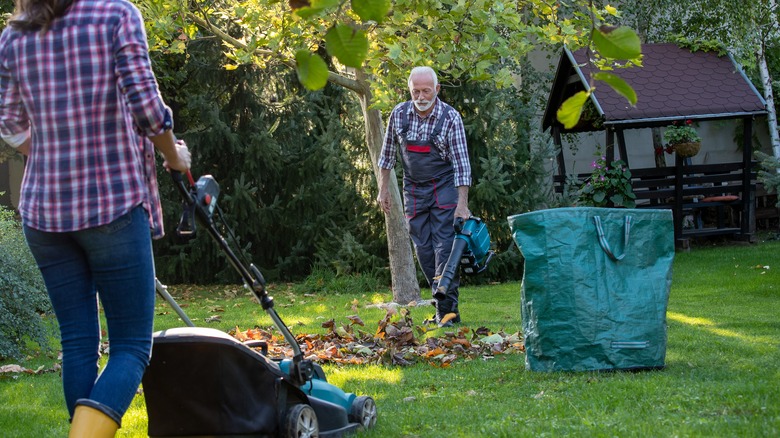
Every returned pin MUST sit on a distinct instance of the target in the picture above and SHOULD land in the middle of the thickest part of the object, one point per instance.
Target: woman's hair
(37, 14)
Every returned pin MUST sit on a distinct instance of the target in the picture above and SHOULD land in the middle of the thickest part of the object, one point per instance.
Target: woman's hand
(182, 160)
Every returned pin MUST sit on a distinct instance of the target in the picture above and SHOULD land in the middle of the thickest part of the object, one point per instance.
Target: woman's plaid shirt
(86, 89)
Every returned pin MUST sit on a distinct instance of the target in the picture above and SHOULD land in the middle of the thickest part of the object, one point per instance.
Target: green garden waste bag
(595, 287)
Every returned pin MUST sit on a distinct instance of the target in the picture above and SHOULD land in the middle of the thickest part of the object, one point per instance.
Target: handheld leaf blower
(470, 252)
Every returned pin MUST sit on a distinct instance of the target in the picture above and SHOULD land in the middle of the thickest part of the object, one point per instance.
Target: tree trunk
(403, 271)
(766, 81)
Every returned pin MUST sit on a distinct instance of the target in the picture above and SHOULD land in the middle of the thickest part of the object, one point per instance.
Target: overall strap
(436, 129)
(439, 124)
(405, 117)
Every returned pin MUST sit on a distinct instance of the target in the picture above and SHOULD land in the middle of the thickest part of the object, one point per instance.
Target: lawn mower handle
(301, 371)
(178, 181)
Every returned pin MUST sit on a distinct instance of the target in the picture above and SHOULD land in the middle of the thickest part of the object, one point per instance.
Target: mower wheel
(363, 411)
(301, 422)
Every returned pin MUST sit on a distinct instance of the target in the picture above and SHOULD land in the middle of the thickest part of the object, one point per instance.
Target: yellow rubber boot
(91, 423)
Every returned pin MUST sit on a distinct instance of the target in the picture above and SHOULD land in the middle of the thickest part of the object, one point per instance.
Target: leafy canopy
(478, 40)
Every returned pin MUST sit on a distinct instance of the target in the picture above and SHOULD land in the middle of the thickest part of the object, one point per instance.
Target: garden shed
(673, 85)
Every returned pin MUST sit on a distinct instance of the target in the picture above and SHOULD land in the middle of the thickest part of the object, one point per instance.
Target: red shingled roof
(672, 84)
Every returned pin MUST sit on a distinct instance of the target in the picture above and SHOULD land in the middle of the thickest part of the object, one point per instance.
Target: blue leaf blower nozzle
(470, 252)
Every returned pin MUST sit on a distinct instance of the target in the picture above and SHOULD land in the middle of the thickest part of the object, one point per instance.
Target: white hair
(423, 69)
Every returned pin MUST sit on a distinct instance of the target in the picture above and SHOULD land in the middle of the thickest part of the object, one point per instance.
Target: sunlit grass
(722, 374)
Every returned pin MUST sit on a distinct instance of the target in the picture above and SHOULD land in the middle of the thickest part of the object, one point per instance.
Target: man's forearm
(462, 210)
(463, 196)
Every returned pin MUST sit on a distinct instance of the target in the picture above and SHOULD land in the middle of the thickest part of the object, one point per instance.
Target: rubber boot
(91, 423)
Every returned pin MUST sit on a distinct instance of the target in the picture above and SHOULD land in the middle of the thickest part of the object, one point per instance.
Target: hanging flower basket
(687, 149)
(683, 138)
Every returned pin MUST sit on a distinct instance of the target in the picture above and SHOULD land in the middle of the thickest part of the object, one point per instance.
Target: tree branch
(333, 77)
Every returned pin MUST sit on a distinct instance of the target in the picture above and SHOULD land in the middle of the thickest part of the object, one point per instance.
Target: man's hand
(384, 200)
(462, 210)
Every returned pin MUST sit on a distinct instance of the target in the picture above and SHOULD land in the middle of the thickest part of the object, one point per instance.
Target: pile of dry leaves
(396, 341)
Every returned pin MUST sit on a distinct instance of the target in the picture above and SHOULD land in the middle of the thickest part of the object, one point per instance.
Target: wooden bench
(767, 213)
(694, 191)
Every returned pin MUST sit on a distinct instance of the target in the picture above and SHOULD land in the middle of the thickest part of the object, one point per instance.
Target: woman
(78, 96)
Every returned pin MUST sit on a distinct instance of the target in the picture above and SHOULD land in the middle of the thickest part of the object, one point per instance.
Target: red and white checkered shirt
(86, 89)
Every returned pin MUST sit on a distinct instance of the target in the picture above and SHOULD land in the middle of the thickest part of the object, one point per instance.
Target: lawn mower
(203, 382)
(470, 252)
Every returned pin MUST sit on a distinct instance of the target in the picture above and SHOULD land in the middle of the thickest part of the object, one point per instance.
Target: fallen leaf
(356, 320)
(329, 324)
(13, 368)
(492, 339)
(447, 318)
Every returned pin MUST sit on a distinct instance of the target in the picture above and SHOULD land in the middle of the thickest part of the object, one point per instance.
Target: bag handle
(603, 240)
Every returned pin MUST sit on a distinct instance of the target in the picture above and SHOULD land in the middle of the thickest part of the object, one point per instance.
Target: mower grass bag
(203, 382)
(595, 287)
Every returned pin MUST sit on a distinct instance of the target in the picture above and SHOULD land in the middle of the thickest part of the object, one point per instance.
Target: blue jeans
(116, 261)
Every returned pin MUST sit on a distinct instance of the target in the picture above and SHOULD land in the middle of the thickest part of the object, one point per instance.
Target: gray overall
(430, 198)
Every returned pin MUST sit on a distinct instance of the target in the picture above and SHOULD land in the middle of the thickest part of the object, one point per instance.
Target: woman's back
(85, 85)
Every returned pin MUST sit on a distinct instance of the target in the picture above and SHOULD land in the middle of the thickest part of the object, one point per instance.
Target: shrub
(769, 173)
(23, 297)
(609, 185)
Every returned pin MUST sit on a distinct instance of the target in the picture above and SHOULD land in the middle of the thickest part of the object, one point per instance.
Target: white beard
(424, 106)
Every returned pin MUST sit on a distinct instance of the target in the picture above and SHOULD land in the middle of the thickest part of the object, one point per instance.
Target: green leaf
(394, 51)
(570, 111)
(371, 10)
(315, 7)
(619, 85)
(348, 45)
(312, 70)
(617, 42)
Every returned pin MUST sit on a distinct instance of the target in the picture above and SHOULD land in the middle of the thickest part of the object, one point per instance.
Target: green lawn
(722, 375)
